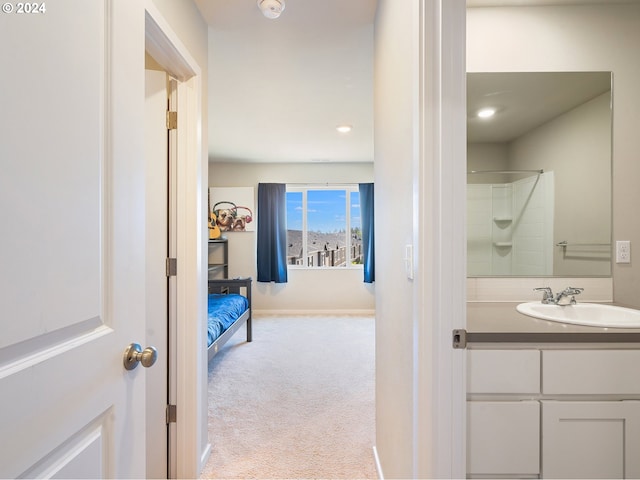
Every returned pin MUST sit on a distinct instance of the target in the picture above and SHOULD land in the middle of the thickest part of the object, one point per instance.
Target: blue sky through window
(317, 222)
(294, 210)
(326, 210)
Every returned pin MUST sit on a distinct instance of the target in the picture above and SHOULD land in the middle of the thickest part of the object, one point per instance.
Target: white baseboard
(354, 312)
(378, 466)
(204, 457)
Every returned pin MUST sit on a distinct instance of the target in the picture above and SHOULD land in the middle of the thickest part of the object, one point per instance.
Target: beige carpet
(297, 402)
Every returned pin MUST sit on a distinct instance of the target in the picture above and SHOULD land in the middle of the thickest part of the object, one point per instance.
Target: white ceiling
(278, 88)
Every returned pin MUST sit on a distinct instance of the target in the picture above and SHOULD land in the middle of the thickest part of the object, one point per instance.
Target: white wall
(306, 290)
(577, 38)
(420, 165)
(395, 150)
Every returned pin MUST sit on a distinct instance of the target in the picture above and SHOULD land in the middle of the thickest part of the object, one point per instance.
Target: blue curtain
(272, 232)
(368, 228)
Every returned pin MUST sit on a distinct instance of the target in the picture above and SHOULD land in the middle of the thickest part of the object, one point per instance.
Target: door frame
(188, 365)
(156, 252)
(440, 285)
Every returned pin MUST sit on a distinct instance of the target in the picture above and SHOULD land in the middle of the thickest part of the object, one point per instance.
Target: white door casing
(188, 290)
(161, 157)
(157, 251)
(440, 239)
(172, 297)
(73, 284)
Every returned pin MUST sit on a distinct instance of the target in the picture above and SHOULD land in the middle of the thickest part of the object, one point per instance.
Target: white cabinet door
(503, 371)
(591, 372)
(590, 439)
(503, 438)
(72, 244)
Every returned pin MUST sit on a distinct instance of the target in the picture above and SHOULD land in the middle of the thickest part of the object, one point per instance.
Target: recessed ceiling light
(486, 112)
(344, 128)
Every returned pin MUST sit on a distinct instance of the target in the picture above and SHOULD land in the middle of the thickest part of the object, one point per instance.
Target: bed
(229, 307)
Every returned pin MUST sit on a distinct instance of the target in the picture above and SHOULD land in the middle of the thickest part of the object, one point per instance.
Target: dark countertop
(499, 322)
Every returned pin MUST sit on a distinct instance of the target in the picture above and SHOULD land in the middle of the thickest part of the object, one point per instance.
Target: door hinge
(172, 267)
(172, 414)
(172, 120)
(460, 338)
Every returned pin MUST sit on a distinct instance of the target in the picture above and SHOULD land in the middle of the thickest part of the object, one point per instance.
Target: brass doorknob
(134, 355)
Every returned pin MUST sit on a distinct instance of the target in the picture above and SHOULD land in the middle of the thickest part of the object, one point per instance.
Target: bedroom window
(324, 228)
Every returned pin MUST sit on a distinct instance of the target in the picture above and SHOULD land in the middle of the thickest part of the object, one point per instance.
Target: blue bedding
(223, 311)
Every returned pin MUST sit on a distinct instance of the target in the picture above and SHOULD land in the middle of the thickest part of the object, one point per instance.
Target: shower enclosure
(510, 223)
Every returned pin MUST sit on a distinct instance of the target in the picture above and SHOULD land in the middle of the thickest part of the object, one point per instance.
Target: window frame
(349, 189)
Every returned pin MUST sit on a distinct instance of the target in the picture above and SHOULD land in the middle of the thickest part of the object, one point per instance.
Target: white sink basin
(590, 314)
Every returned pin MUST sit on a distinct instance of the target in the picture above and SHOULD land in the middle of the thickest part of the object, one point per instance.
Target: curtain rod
(506, 171)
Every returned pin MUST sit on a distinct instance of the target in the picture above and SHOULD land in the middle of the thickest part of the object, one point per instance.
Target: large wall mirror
(539, 174)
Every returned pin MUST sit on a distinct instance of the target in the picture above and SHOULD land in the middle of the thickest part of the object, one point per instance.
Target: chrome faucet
(549, 298)
(547, 295)
(569, 291)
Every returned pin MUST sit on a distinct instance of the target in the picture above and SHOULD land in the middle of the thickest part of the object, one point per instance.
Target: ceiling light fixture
(344, 128)
(271, 8)
(486, 112)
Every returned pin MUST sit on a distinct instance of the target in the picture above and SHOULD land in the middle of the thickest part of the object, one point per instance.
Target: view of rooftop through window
(324, 226)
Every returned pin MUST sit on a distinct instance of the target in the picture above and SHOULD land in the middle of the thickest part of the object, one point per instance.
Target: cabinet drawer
(503, 438)
(503, 371)
(591, 372)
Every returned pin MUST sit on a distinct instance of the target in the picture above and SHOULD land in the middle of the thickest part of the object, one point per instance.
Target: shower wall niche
(510, 227)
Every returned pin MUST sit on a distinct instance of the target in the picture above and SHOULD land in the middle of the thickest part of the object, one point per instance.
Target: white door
(157, 252)
(72, 251)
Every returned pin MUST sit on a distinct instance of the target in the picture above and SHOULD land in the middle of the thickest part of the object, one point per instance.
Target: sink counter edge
(499, 322)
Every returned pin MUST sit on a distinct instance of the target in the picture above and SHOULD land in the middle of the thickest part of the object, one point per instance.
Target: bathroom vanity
(550, 400)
